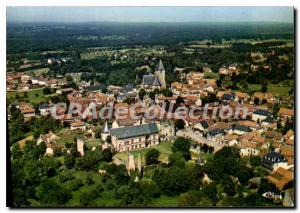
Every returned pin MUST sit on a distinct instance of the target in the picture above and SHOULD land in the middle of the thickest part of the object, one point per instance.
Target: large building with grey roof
(157, 81)
(134, 137)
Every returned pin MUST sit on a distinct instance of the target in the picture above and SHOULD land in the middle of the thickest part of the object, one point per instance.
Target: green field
(40, 71)
(92, 143)
(67, 136)
(34, 96)
(164, 148)
(165, 201)
(278, 90)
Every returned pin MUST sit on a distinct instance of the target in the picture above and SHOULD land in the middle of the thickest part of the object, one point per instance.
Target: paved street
(196, 136)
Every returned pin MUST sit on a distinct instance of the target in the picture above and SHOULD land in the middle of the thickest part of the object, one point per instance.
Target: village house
(288, 138)
(281, 178)
(47, 138)
(78, 125)
(34, 81)
(232, 68)
(26, 110)
(160, 99)
(260, 115)
(176, 88)
(269, 122)
(215, 134)
(25, 78)
(125, 122)
(203, 125)
(134, 137)
(194, 77)
(43, 81)
(44, 109)
(24, 86)
(275, 136)
(66, 118)
(286, 113)
(241, 129)
(231, 139)
(64, 91)
(288, 152)
(252, 143)
(273, 160)
(249, 148)
(113, 90)
(241, 96)
(251, 124)
(266, 97)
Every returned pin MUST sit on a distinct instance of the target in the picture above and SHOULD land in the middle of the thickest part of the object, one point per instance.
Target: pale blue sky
(150, 14)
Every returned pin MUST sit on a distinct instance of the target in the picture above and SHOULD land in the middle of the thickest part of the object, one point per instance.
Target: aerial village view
(150, 114)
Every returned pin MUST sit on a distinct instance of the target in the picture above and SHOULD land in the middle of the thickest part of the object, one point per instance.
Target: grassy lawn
(34, 96)
(66, 136)
(23, 141)
(164, 148)
(165, 201)
(39, 71)
(212, 75)
(254, 87)
(75, 200)
(93, 142)
(279, 90)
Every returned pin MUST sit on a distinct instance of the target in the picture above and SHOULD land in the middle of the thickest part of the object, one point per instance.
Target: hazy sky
(149, 14)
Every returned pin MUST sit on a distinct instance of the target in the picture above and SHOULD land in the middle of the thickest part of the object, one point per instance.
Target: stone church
(155, 81)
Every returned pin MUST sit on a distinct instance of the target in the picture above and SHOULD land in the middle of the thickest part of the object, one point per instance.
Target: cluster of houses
(253, 133)
(25, 81)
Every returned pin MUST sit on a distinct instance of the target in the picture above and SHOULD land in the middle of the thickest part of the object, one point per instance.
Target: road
(196, 136)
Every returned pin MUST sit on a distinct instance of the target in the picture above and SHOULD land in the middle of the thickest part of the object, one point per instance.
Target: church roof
(134, 131)
(151, 80)
(160, 66)
(106, 129)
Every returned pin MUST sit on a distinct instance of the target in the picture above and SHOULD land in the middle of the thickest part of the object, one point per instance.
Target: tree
(75, 184)
(264, 88)
(47, 91)
(219, 83)
(16, 151)
(69, 79)
(149, 188)
(88, 180)
(69, 161)
(107, 155)
(166, 92)
(142, 93)
(255, 161)
(152, 157)
(175, 156)
(244, 174)
(275, 108)
(179, 100)
(187, 200)
(256, 101)
(179, 124)
(50, 193)
(182, 145)
(211, 191)
(152, 95)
